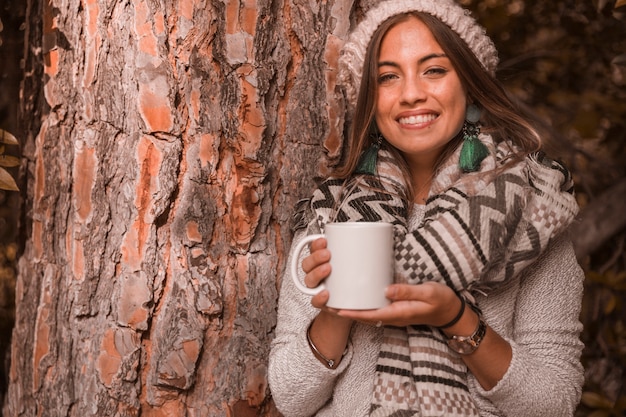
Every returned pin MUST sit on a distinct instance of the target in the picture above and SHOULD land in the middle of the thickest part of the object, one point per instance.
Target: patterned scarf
(479, 230)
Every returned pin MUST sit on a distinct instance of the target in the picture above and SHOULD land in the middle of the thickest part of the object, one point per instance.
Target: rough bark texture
(172, 140)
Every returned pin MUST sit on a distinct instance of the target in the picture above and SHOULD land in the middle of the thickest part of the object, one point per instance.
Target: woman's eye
(436, 71)
(385, 77)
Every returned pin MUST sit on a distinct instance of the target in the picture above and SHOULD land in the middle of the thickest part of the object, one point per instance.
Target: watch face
(463, 345)
(468, 344)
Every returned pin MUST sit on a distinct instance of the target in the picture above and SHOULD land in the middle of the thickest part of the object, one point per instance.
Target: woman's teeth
(414, 120)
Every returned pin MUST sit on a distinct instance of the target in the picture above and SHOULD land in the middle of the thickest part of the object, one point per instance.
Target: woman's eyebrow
(420, 61)
(431, 56)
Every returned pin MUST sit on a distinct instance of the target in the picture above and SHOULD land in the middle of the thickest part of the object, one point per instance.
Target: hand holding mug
(361, 264)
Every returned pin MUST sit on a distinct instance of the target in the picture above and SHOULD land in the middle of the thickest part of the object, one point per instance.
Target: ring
(379, 323)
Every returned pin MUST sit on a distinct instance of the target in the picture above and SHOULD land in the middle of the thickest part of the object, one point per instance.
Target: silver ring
(379, 323)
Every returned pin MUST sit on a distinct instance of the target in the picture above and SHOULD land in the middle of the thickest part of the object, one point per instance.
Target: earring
(367, 161)
(473, 151)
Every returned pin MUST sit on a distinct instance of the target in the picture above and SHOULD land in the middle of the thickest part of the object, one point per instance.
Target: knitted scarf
(479, 230)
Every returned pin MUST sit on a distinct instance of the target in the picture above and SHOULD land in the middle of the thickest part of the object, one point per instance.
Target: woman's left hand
(431, 303)
(435, 304)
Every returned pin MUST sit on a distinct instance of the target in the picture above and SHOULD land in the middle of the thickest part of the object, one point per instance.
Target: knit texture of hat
(450, 13)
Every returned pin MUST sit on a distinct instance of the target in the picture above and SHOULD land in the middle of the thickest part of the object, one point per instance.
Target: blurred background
(11, 49)
(565, 62)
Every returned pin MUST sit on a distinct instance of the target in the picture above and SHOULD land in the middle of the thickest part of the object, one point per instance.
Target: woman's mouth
(418, 119)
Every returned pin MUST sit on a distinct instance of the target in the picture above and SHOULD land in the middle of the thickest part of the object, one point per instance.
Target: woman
(480, 220)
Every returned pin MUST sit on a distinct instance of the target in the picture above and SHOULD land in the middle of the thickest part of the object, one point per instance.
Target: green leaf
(6, 181)
(6, 137)
(9, 161)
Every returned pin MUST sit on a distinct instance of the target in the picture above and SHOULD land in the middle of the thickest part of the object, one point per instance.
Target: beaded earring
(368, 159)
(473, 151)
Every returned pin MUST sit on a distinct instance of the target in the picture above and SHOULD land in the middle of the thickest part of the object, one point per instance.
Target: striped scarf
(479, 230)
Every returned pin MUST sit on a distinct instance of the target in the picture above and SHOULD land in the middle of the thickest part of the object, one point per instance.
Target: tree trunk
(600, 220)
(171, 141)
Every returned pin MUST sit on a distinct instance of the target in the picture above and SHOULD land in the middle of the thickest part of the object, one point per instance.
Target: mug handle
(295, 258)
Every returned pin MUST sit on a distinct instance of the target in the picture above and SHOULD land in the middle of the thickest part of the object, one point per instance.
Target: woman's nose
(413, 90)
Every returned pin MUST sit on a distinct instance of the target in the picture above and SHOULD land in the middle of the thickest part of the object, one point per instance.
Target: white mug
(361, 260)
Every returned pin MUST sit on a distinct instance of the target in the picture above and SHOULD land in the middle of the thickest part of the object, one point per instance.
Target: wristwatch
(465, 345)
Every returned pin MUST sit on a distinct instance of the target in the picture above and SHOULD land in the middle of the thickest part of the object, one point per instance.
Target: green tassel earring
(367, 161)
(473, 151)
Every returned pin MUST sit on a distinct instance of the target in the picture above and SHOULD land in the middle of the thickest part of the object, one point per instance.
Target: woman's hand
(329, 331)
(436, 305)
(431, 303)
(317, 269)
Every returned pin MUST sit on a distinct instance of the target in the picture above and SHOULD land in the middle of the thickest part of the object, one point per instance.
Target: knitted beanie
(450, 13)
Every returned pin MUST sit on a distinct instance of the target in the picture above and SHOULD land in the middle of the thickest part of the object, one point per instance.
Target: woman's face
(420, 102)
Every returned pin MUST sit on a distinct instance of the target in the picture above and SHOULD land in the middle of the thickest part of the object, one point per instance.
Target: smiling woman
(483, 314)
(420, 102)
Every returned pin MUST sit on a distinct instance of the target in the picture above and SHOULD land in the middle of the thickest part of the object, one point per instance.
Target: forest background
(565, 61)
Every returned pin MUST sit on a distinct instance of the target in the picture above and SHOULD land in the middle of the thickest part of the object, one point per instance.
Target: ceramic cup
(361, 264)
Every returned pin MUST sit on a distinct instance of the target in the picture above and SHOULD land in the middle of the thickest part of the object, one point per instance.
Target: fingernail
(390, 292)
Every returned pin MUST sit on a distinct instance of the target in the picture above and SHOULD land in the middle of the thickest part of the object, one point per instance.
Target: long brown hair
(500, 116)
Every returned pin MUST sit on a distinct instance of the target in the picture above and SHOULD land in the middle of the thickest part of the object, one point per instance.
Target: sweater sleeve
(545, 376)
(299, 383)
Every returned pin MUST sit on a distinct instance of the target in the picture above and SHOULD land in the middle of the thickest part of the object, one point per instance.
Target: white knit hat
(450, 13)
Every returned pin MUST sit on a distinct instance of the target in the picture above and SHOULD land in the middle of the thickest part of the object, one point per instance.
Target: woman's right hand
(317, 269)
(329, 331)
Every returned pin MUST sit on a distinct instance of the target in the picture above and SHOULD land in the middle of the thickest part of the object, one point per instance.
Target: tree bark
(171, 141)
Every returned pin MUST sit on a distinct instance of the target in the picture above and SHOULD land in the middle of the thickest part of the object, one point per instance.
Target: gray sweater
(537, 312)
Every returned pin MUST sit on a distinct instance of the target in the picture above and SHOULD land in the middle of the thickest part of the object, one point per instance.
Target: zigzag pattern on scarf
(464, 236)
(360, 200)
(489, 235)
(493, 235)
